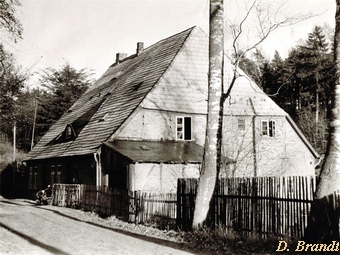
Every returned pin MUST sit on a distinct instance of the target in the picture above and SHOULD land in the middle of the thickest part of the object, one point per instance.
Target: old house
(142, 125)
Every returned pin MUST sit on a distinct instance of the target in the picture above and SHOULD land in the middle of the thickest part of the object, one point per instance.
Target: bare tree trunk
(209, 172)
(317, 106)
(330, 174)
(324, 220)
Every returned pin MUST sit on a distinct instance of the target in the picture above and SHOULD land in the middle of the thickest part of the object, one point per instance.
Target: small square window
(268, 128)
(241, 124)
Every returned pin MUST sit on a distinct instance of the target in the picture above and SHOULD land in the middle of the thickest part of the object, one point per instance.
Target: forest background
(299, 83)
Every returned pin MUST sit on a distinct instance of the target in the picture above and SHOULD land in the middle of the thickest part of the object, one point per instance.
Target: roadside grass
(219, 241)
(204, 241)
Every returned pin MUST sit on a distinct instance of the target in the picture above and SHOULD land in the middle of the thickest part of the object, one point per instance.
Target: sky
(89, 33)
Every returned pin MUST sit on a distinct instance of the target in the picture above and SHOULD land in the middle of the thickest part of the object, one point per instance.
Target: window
(30, 180)
(52, 174)
(241, 124)
(268, 128)
(68, 132)
(58, 173)
(35, 173)
(183, 128)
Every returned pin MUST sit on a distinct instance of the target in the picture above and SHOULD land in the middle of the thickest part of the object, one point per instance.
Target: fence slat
(262, 205)
(265, 205)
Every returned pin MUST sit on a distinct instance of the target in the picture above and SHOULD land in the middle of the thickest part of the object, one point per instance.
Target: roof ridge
(127, 119)
(168, 38)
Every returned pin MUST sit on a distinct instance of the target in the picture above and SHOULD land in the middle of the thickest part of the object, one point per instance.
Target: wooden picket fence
(157, 209)
(138, 207)
(67, 195)
(263, 205)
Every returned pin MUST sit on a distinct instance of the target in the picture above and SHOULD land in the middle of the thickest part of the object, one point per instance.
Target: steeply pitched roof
(118, 92)
(170, 75)
(246, 97)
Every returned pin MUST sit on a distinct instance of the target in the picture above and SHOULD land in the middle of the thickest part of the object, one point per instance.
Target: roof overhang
(171, 152)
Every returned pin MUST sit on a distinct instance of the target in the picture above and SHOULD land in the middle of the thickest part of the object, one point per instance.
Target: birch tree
(268, 22)
(209, 171)
(324, 220)
(330, 174)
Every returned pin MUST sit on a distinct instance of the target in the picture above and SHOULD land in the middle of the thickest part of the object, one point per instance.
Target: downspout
(254, 138)
(98, 167)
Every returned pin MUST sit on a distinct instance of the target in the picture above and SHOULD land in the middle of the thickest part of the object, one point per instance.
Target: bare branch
(266, 21)
(237, 33)
(285, 83)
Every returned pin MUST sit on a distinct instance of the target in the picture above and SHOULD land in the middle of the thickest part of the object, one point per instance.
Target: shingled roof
(178, 65)
(112, 98)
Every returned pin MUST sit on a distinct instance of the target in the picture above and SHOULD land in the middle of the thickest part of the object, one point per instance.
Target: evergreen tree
(11, 82)
(8, 21)
(61, 89)
(323, 225)
(315, 66)
(253, 66)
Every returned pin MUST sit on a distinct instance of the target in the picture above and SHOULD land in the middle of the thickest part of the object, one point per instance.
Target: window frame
(30, 178)
(241, 126)
(35, 174)
(53, 173)
(270, 128)
(58, 180)
(185, 134)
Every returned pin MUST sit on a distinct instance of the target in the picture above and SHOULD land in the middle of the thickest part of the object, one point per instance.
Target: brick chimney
(120, 57)
(140, 47)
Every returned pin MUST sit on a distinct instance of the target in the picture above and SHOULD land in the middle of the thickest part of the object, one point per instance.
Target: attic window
(69, 132)
(183, 128)
(268, 128)
(136, 87)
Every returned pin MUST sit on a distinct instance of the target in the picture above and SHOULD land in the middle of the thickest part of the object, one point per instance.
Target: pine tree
(323, 224)
(62, 88)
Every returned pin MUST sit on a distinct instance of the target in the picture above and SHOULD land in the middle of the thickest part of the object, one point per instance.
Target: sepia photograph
(180, 127)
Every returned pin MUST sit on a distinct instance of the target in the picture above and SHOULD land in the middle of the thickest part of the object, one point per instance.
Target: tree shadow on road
(19, 204)
(158, 241)
(33, 241)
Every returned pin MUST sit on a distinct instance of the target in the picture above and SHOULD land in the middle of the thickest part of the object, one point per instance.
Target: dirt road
(29, 229)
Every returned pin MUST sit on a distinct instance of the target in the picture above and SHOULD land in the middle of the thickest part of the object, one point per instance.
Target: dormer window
(183, 128)
(72, 130)
(69, 133)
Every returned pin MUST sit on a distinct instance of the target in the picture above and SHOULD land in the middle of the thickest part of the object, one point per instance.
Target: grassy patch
(220, 241)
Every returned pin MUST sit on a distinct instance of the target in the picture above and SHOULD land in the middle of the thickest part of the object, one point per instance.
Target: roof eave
(302, 136)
